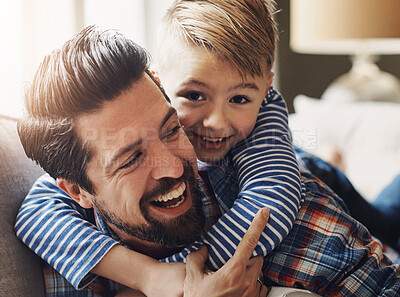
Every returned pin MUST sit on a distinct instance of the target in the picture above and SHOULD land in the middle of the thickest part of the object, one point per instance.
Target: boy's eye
(194, 96)
(132, 161)
(238, 100)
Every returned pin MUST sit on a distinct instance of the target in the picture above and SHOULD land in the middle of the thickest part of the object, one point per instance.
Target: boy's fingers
(250, 239)
(195, 262)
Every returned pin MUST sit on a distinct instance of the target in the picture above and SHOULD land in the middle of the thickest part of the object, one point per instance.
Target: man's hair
(241, 32)
(93, 67)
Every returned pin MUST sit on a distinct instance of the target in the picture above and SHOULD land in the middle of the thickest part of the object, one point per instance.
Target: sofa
(20, 272)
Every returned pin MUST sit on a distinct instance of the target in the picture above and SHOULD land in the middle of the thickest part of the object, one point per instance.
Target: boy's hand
(128, 292)
(238, 277)
(166, 280)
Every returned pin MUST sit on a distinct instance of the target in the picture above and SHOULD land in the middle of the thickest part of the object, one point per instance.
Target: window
(31, 29)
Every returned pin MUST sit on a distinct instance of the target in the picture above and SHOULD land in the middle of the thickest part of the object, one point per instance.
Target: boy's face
(217, 107)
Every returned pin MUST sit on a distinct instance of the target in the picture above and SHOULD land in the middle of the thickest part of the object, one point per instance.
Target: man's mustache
(166, 184)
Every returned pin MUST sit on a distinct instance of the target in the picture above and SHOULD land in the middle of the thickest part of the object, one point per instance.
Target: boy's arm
(54, 227)
(268, 172)
(268, 177)
(57, 229)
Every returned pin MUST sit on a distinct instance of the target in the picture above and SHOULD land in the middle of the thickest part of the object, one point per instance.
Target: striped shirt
(326, 252)
(267, 176)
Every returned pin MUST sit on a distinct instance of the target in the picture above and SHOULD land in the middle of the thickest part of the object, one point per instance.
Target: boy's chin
(213, 157)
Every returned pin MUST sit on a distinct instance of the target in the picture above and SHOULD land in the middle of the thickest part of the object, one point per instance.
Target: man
(126, 142)
(99, 124)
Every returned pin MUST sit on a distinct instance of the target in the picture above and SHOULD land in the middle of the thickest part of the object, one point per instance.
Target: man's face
(216, 105)
(143, 168)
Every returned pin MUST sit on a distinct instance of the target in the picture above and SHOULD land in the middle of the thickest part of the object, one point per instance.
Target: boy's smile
(209, 142)
(216, 105)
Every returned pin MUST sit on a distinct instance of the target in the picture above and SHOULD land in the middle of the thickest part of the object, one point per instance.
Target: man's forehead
(137, 113)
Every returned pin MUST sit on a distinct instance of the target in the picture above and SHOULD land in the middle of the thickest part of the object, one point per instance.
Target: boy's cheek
(186, 116)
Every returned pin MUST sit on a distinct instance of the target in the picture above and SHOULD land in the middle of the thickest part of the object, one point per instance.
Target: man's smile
(174, 203)
(171, 199)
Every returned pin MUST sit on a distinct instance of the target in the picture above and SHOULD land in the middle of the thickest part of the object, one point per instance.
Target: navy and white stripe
(268, 176)
(56, 228)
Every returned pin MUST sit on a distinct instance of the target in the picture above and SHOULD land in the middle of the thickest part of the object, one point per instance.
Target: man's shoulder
(317, 192)
(324, 215)
(328, 246)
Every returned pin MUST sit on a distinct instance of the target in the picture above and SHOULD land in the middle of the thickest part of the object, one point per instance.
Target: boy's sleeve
(57, 229)
(268, 176)
(268, 172)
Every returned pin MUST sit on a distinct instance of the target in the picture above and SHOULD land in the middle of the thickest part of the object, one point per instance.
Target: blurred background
(361, 139)
(32, 28)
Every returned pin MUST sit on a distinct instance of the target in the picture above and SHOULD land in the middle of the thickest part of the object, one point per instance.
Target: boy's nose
(216, 119)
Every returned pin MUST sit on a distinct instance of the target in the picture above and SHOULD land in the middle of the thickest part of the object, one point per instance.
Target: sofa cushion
(20, 273)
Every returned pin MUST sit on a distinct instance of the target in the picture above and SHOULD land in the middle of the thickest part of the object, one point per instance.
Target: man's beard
(174, 233)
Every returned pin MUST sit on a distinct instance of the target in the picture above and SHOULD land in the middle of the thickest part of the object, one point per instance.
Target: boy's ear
(82, 197)
(271, 76)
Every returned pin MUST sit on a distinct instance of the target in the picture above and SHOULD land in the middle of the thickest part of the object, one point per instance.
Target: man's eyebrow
(171, 112)
(132, 146)
(121, 153)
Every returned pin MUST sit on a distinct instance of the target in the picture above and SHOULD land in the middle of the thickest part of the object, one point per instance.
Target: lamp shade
(345, 26)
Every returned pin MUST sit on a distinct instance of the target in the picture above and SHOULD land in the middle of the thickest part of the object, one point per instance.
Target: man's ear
(271, 76)
(82, 197)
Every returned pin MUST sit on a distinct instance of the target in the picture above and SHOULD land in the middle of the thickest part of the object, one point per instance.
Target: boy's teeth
(212, 139)
(173, 194)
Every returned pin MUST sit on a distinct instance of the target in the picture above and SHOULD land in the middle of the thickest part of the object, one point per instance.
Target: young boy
(215, 63)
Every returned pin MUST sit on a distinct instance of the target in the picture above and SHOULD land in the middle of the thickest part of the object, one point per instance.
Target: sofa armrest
(290, 292)
(20, 273)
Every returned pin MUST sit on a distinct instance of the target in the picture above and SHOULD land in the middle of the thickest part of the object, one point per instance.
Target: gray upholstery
(20, 270)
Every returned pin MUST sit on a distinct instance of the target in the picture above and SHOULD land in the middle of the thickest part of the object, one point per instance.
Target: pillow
(20, 273)
(366, 133)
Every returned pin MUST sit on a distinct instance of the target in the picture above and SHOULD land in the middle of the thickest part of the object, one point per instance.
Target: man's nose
(166, 163)
(216, 118)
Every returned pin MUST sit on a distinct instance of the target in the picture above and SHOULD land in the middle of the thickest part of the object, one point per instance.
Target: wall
(311, 74)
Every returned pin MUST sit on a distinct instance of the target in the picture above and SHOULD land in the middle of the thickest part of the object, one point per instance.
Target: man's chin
(181, 231)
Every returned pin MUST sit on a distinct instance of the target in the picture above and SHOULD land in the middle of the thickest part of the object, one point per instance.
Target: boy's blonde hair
(241, 32)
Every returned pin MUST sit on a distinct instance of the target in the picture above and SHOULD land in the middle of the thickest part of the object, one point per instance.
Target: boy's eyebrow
(194, 82)
(121, 152)
(244, 85)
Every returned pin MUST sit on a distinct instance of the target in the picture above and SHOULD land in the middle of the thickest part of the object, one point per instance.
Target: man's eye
(194, 96)
(132, 161)
(169, 135)
(238, 100)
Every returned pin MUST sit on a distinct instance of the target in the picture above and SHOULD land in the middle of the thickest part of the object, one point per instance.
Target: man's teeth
(210, 139)
(173, 194)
